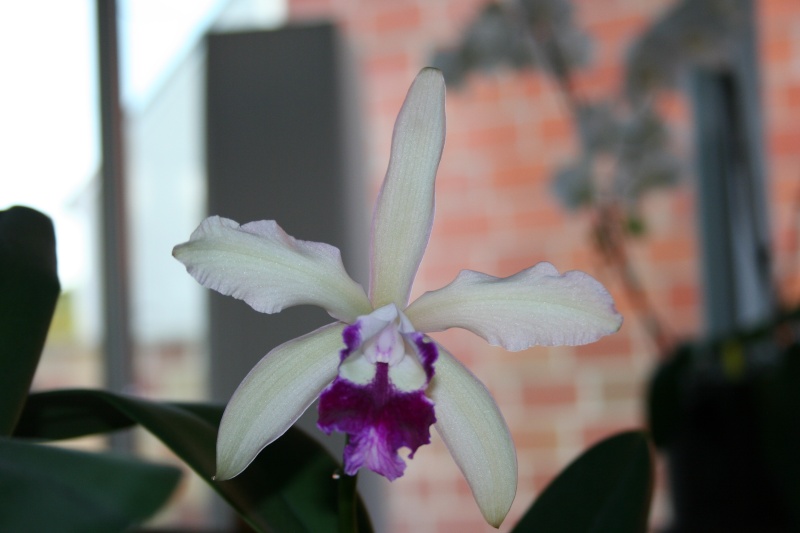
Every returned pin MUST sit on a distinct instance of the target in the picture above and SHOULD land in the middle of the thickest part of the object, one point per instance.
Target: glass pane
(49, 156)
(162, 77)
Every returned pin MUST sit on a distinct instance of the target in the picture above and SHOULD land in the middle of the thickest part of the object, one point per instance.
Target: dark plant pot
(730, 441)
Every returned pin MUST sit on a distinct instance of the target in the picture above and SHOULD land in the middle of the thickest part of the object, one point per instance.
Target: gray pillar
(280, 135)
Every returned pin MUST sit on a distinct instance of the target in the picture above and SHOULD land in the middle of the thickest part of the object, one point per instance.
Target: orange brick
(387, 64)
(684, 296)
(509, 265)
(677, 248)
(583, 258)
(782, 143)
(549, 394)
(617, 345)
(556, 128)
(309, 8)
(463, 12)
(792, 96)
(622, 390)
(786, 10)
(523, 174)
(614, 28)
(536, 439)
(543, 218)
(533, 84)
(402, 17)
(460, 226)
(777, 51)
(484, 89)
(485, 138)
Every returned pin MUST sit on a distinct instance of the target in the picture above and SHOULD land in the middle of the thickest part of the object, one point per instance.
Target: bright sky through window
(49, 130)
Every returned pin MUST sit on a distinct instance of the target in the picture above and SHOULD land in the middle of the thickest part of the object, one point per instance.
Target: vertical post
(280, 145)
(117, 339)
(732, 198)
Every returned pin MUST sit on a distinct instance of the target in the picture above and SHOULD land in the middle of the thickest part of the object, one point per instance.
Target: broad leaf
(289, 487)
(608, 488)
(43, 488)
(666, 397)
(28, 292)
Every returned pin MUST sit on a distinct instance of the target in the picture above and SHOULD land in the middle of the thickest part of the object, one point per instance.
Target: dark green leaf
(779, 435)
(289, 487)
(665, 396)
(28, 292)
(606, 489)
(43, 488)
(68, 414)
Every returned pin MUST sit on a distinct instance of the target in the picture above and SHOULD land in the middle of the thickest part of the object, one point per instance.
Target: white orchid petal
(408, 375)
(262, 265)
(537, 306)
(472, 427)
(403, 213)
(357, 369)
(274, 395)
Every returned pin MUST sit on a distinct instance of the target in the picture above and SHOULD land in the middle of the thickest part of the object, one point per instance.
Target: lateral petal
(472, 427)
(537, 306)
(403, 216)
(270, 270)
(273, 396)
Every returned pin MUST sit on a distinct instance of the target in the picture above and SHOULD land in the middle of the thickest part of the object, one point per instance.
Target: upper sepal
(403, 216)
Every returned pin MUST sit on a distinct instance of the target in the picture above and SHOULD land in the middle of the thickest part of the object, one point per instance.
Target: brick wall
(495, 213)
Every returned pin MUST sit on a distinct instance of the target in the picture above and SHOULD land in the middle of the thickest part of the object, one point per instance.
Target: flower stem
(347, 503)
(348, 499)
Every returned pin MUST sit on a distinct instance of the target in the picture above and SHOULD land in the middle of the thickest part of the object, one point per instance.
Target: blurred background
(653, 144)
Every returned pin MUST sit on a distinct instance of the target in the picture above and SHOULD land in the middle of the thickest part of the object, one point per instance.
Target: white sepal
(273, 396)
(270, 270)
(537, 306)
(472, 427)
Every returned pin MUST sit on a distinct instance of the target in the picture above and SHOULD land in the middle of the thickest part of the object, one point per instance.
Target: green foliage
(44, 488)
(723, 411)
(608, 488)
(779, 397)
(665, 397)
(28, 292)
(292, 486)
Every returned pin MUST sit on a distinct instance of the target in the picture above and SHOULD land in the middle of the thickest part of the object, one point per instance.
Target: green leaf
(28, 292)
(779, 403)
(43, 488)
(666, 396)
(289, 487)
(608, 488)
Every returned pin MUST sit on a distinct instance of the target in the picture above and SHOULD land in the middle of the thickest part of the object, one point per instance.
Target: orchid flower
(379, 377)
